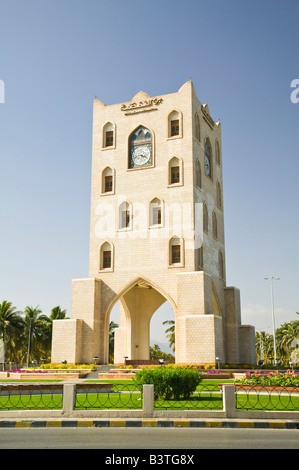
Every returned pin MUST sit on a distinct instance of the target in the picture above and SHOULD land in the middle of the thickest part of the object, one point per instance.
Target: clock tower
(156, 235)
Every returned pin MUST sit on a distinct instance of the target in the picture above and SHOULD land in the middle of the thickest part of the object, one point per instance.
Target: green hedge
(170, 383)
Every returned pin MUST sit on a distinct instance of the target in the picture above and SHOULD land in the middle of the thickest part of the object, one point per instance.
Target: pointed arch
(141, 138)
(176, 252)
(214, 225)
(125, 216)
(107, 181)
(197, 127)
(217, 153)
(219, 195)
(175, 124)
(175, 171)
(106, 256)
(205, 218)
(108, 138)
(221, 264)
(138, 281)
(198, 174)
(155, 212)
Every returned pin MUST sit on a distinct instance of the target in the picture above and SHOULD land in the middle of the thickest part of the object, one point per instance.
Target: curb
(133, 423)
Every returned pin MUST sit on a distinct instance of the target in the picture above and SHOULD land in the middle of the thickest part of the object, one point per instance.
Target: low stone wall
(40, 375)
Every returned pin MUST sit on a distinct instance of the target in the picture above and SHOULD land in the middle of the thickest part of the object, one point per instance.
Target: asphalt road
(147, 438)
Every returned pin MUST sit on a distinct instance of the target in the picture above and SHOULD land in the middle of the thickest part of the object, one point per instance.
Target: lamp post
(271, 279)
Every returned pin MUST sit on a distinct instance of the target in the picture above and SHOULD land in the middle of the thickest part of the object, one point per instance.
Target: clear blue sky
(55, 56)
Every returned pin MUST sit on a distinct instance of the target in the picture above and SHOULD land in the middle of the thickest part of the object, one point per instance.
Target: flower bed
(275, 379)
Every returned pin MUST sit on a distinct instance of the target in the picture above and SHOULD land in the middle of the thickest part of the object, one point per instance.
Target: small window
(214, 226)
(176, 254)
(198, 174)
(155, 212)
(199, 257)
(197, 128)
(107, 180)
(175, 174)
(175, 127)
(125, 215)
(109, 138)
(217, 152)
(221, 265)
(108, 184)
(106, 256)
(108, 135)
(157, 216)
(175, 124)
(219, 199)
(125, 219)
(175, 171)
(205, 218)
(106, 259)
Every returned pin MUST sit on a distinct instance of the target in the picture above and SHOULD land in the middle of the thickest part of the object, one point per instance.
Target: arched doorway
(137, 304)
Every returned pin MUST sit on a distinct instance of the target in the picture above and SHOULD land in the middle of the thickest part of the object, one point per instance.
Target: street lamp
(271, 279)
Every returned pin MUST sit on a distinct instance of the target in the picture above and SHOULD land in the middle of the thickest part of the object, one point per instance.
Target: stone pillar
(199, 333)
(232, 323)
(247, 344)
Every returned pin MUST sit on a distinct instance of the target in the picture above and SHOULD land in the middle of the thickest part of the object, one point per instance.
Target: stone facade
(156, 234)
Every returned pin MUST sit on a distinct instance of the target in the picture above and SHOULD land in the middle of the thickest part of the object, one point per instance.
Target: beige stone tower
(156, 234)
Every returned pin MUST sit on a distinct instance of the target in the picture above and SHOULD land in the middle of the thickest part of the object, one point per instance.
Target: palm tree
(286, 334)
(10, 323)
(35, 324)
(264, 345)
(57, 314)
(171, 333)
(155, 352)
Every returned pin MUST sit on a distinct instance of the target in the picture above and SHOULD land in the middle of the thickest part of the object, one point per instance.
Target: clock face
(141, 155)
(207, 166)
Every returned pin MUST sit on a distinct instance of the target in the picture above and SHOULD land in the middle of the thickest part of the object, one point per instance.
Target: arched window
(208, 158)
(221, 264)
(107, 180)
(219, 198)
(125, 215)
(205, 218)
(176, 251)
(214, 225)
(155, 212)
(217, 153)
(198, 174)
(140, 148)
(106, 256)
(175, 171)
(197, 127)
(108, 135)
(199, 254)
(175, 124)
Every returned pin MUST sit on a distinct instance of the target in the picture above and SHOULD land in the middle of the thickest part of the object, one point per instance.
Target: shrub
(170, 382)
